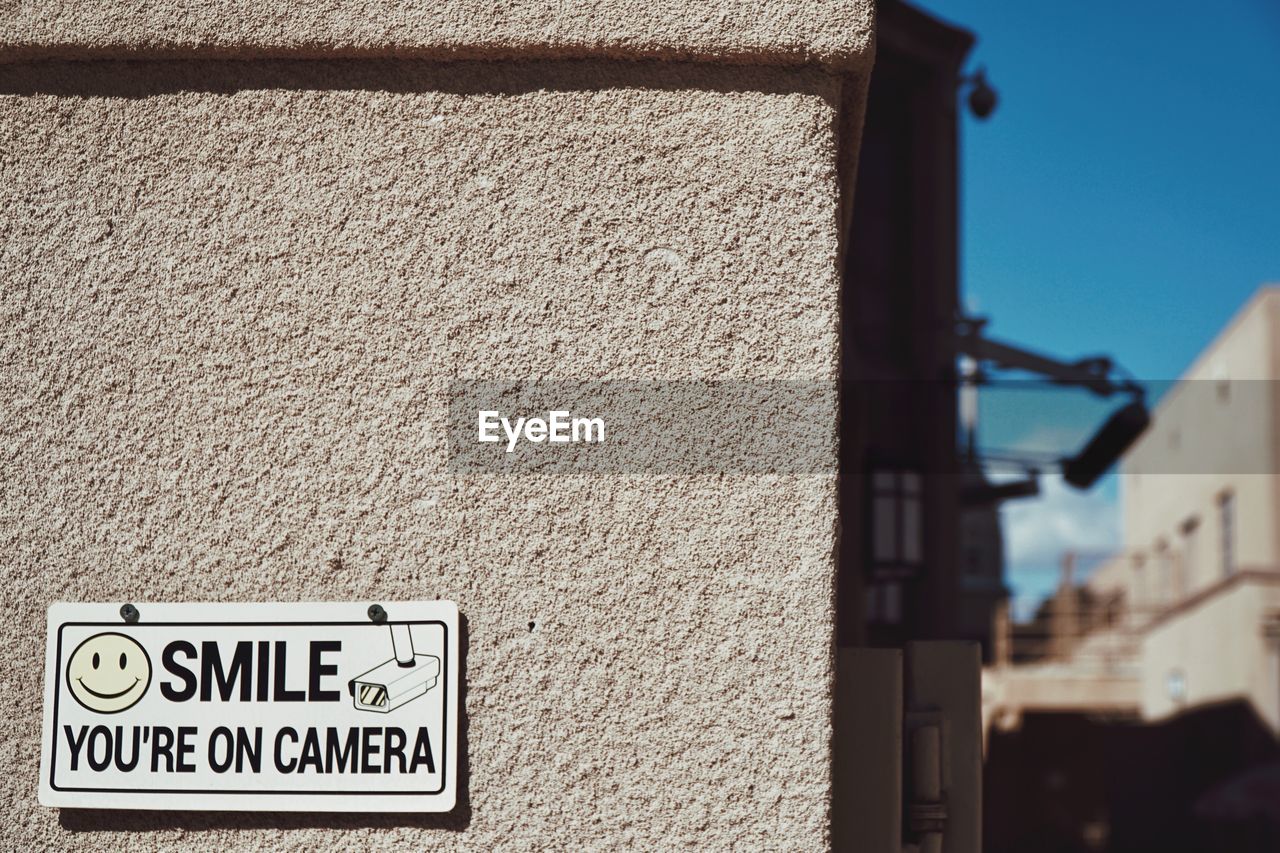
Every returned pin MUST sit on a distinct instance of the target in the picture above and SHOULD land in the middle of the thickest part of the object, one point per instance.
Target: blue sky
(1123, 199)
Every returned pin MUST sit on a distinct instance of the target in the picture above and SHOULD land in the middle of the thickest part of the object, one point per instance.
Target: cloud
(1038, 530)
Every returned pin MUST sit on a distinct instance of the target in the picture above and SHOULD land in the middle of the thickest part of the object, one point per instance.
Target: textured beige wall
(1212, 435)
(1220, 650)
(833, 33)
(234, 295)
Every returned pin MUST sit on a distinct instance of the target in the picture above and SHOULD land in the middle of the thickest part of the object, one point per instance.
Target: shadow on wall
(1067, 783)
(148, 78)
(110, 820)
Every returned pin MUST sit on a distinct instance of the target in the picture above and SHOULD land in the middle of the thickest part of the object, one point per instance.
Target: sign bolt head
(377, 614)
(129, 613)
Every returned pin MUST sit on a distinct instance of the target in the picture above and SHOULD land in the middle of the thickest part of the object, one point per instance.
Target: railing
(1086, 648)
(1090, 622)
(1093, 629)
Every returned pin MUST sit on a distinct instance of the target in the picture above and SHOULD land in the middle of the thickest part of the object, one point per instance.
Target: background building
(1201, 500)
(1179, 633)
(901, 567)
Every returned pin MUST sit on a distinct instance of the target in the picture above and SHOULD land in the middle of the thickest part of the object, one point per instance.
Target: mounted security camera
(1112, 439)
(982, 98)
(403, 678)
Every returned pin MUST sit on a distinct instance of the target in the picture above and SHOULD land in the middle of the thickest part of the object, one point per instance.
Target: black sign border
(57, 692)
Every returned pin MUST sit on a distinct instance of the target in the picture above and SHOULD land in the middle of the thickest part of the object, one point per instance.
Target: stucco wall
(833, 33)
(1218, 649)
(234, 296)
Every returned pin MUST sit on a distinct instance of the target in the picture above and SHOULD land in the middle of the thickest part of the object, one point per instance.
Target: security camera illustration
(403, 678)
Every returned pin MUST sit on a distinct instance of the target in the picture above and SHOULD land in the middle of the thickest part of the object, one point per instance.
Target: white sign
(252, 707)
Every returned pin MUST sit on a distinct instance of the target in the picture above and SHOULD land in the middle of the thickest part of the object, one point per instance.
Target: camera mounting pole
(1094, 374)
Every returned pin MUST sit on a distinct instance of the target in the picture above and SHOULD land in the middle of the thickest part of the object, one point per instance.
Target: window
(1141, 595)
(1164, 574)
(884, 603)
(1190, 556)
(973, 563)
(897, 531)
(1222, 382)
(1227, 525)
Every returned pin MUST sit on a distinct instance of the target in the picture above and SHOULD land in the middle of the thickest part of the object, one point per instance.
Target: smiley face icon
(108, 673)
